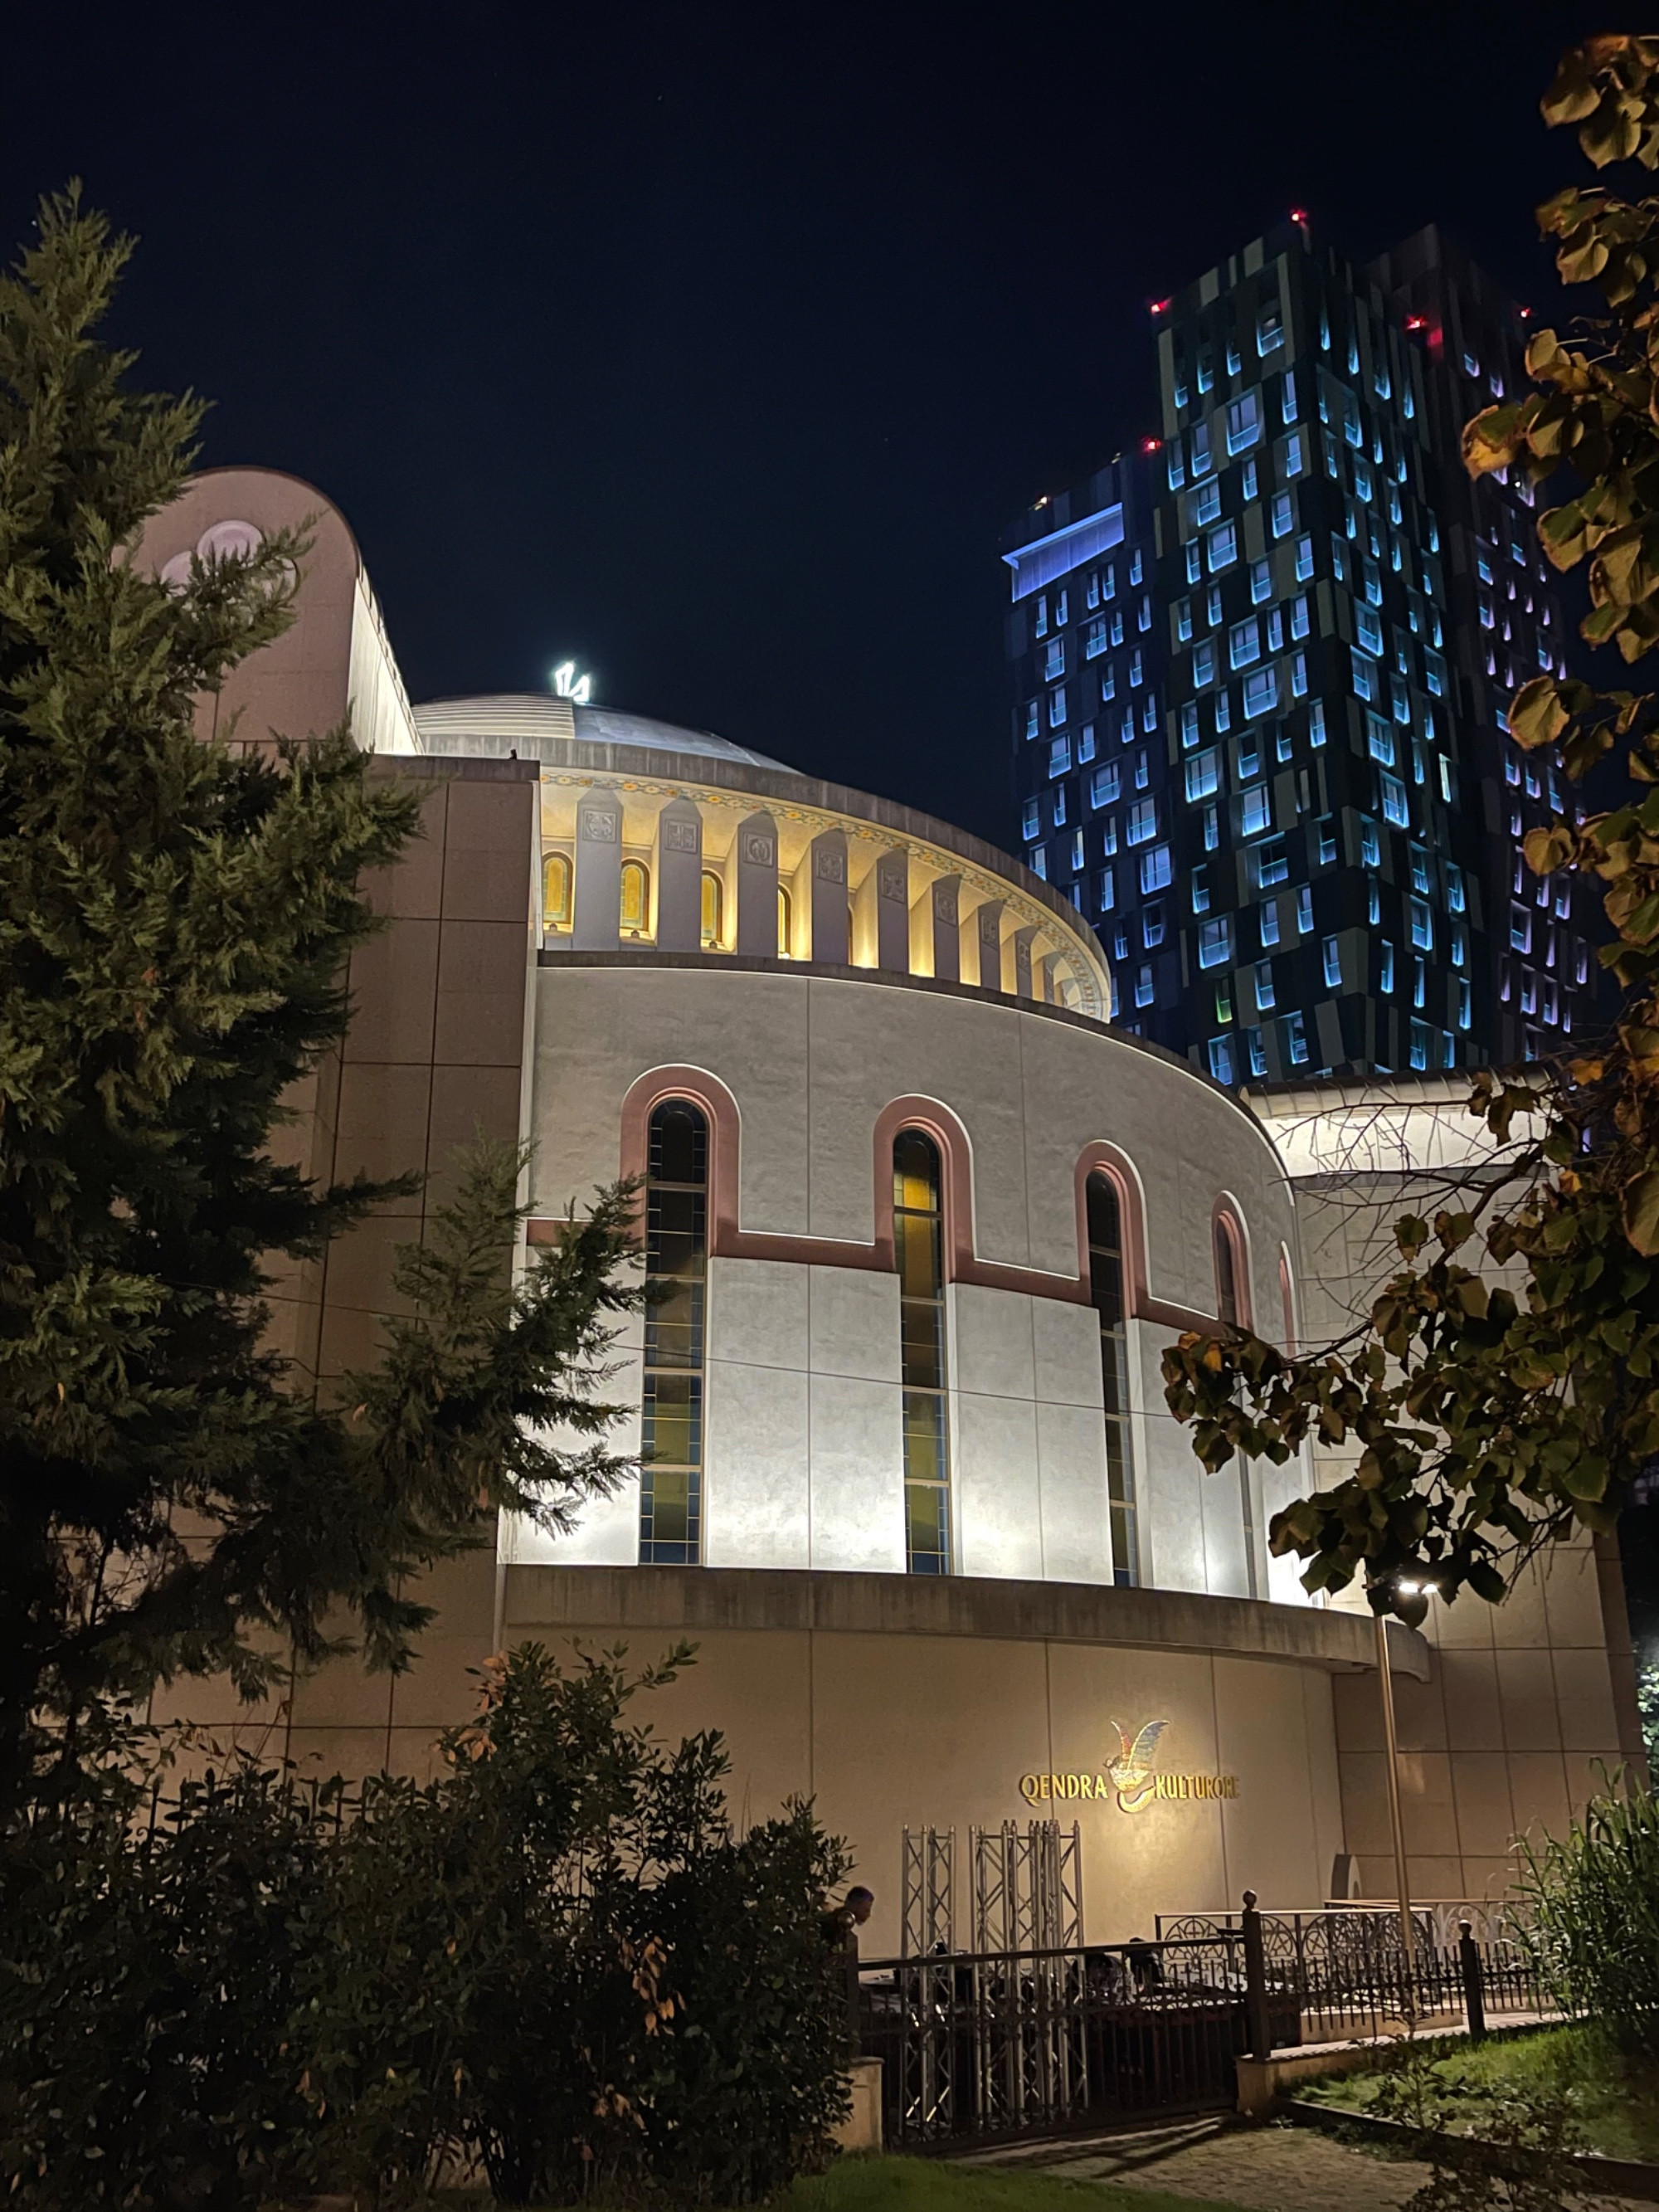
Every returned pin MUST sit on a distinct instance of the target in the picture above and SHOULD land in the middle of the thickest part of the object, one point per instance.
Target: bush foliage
(555, 1962)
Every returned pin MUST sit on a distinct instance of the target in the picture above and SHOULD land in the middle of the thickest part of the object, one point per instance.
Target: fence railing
(993, 2044)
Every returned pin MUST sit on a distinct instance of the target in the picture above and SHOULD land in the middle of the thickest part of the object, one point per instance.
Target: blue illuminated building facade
(1303, 856)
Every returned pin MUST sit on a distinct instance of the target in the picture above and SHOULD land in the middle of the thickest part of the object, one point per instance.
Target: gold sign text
(1153, 1788)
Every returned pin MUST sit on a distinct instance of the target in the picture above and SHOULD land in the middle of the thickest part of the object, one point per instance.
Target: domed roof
(524, 721)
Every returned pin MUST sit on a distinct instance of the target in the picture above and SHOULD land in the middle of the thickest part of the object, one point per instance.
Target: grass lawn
(869, 2183)
(1613, 2100)
(928, 2185)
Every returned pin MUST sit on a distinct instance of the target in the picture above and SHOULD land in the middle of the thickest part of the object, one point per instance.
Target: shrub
(555, 1960)
(1595, 1915)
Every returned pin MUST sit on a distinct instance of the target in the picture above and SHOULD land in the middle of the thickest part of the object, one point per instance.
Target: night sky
(716, 347)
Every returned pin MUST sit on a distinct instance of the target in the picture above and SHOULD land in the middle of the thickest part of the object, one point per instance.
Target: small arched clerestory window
(918, 1255)
(556, 884)
(635, 916)
(786, 923)
(714, 911)
(676, 1271)
(1104, 1208)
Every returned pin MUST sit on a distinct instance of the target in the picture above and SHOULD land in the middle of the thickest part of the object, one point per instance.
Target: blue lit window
(1373, 904)
(1203, 662)
(1304, 561)
(1465, 1003)
(1255, 811)
(1249, 480)
(1434, 674)
(1142, 823)
(1223, 547)
(1264, 987)
(1105, 786)
(1200, 440)
(1338, 559)
(1094, 638)
(1269, 923)
(1243, 421)
(1224, 713)
(1137, 671)
(1037, 861)
(1144, 619)
(1184, 621)
(1204, 773)
(1373, 595)
(1057, 807)
(1369, 629)
(1215, 941)
(1040, 619)
(1296, 457)
(1287, 402)
(1106, 889)
(1365, 676)
(1520, 929)
(1371, 847)
(1385, 966)
(1471, 365)
(1234, 361)
(1030, 821)
(1327, 843)
(1317, 724)
(1204, 505)
(1419, 865)
(1143, 770)
(1077, 859)
(1362, 480)
(1212, 829)
(1031, 718)
(1085, 742)
(1379, 740)
(1060, 756)
(1054, 660)
(1243, 643)
(1250, 755)
(1156, 869)
(1284, 520)
(1189, 723)
(1299, 615)
(1257, 1050)
(1296, 1041)
(1151, 926)
(1221, 1059)
(1419, 1051)
(1177, 470)
(1351, 425)
(1422, 925)
(1200, 890)
(1394, 799)
(1276, 629)
(1261, 581)
(1260, 691)
(1057, 707)
(1284, 743)
(1144, 984)
(1482, 565)
(1269, 332)
(1108, 835)
(1460, 945)
(1194, 563)
(1304, 910)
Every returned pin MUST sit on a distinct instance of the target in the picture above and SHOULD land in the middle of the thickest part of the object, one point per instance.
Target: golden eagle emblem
(1132, 1771)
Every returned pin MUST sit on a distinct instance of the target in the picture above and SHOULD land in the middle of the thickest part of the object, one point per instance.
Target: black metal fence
(1001, 2044)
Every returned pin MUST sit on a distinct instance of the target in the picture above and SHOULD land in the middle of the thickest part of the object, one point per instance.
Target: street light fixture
(1396, 1817)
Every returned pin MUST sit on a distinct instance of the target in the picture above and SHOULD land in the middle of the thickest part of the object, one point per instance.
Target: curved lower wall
(894, 1701)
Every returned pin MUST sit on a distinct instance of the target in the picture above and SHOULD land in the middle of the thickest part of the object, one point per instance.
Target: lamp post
(1391, 1744)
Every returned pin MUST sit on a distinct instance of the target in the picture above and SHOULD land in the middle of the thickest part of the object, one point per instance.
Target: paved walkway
(1271, 2169)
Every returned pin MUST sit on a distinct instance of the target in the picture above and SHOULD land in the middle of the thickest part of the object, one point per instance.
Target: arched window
(712, 910)
(785, 917)
(635, 899)
(918, 1251)
(1232, 1305)
(1228, 1271)
(677, 1268)
(1105, 1213)
(556, 891)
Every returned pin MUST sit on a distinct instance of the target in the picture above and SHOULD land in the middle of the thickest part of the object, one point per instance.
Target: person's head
(860, 1903)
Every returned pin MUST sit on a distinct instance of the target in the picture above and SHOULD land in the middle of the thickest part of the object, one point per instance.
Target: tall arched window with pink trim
(1104, 1208)
(919, 1254)
(676, 1271)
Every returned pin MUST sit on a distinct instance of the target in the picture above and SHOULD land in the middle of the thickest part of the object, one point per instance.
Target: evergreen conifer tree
(174, 923)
